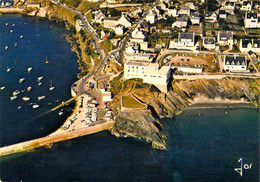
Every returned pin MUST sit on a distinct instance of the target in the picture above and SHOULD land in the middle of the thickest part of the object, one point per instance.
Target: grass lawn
(130, 102)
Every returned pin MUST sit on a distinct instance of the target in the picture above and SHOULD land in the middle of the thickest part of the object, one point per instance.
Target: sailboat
(51, 87)
(8, 69)
(29, 69)
(47, 62)
(41, 97)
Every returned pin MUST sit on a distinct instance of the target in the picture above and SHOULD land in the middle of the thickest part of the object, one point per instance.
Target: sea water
(203, 144)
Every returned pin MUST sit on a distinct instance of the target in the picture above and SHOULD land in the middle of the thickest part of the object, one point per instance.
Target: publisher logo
(242, 166)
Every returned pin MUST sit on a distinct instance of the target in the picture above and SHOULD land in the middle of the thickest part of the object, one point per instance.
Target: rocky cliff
(145, 123)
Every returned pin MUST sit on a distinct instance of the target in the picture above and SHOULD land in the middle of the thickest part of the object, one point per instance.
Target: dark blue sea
(203, 144)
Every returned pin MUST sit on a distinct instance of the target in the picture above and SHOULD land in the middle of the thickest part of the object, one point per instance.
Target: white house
(138, 34)
(125, 20)
(98, 16)
(172, 11)
(107, 96)
(151, 17)
(247, 45)
(195, 18)
(246, 6)
(184, 41)
(229, 5)
(111, 1)
(79, 25)
(119, 29)
(184, 11)
(180, 22)
(234, 63)
(210, 16)
(209, 42)
(222, 13)
(225, 38)
(251, 20)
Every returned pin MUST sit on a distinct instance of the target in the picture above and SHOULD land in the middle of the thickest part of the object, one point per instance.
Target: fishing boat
(29, 89)
(35, 106)
(26, 98)
(29, 69)
(41, 97)
(13, 97)
(21, 80)
(6, 47)
(39, 78)
(40, 83)
(19, 107)
(16, 92)
(61, 112)
(8, 69)
(21, 36)
(2, 88)
(57, 101)
(15, 44)
(46, 61)
(49, 104)
(51, 87)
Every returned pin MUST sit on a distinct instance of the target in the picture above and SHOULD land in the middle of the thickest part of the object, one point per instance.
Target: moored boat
(6, 47)
(16, 92)
(26, 98)
(19, 107)
(41, 97)
(51, 87)
(61, 112)
(29, 69)
(29, 89)
(46, 61)
(21, 80)
(39, 78)
(13, 97)
(21, 36)
(35, 106)
(2, 88)
(39, 83)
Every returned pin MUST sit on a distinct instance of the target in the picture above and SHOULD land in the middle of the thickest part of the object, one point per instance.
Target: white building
(180, 23)
(225, 38)
(125, 20)
(229, 5)
(107, 96)
(98, 16)
(210, 16)
(119, 29)
(195, 18)
(247, 45)
(134, 70)
(187, 69)
(184, 11)
(209, 42)
(184, 41)
(172, 11)
(112, 22)
(251, 20)
(222, 13)
(156, 76)
(151, 17)
(138, 34)
(235, 63)
(79, 25)
(246, 6)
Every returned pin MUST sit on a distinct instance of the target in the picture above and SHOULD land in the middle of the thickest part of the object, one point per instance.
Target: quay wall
(53, 138)
(11, 10)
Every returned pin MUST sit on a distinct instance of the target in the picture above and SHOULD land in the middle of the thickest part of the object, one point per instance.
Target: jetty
(53, 138)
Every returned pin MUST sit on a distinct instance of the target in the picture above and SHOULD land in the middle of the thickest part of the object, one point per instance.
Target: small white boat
(2, 88)
(19, 107)
(6, 47)
(13, 97)
(61, 112)
(29, 69)
(11, 31)
(6, 24)
(22, 91)
(41, 97)
(21, 80)
(51, 87)
(16, 92)
(40, 78)
(40, 83)
(29, 89)
(13, 25)
(35, 106)
(21, 36)
(8, 69)
(26, 98)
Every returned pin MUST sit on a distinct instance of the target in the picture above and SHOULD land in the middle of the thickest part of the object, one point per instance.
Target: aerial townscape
(144, 60)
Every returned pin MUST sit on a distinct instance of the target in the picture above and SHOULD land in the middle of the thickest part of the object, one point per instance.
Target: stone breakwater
(50, 139)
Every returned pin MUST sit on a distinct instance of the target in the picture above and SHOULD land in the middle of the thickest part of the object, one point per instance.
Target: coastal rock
(145, 123)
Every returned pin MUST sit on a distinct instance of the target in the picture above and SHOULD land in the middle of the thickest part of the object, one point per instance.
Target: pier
(53, 138)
